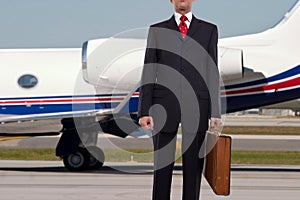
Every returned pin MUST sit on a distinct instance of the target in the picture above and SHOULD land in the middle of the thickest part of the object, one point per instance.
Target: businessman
(180, 84)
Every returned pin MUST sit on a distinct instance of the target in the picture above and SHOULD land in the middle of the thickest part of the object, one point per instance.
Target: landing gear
(85, 158)
(78, 143)
(96, 157)
(78, 161)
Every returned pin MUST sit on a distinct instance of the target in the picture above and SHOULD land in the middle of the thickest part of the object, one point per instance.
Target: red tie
(182, 26)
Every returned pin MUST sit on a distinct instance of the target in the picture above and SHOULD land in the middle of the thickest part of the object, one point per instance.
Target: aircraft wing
(59, 115)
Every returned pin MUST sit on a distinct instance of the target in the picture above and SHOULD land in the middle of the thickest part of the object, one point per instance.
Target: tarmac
(35, 180)
(105, 141)
(240, 142)
(48, 180)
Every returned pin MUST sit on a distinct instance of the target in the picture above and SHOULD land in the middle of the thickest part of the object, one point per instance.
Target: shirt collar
(188, 15)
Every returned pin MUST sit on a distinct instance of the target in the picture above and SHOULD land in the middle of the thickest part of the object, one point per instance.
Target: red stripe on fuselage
(61, 100)
(276, 86)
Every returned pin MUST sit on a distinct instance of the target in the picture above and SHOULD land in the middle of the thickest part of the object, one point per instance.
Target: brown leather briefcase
(217, 165)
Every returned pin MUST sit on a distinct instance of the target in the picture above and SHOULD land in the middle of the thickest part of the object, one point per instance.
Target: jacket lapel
(173, 26)
(194, 26)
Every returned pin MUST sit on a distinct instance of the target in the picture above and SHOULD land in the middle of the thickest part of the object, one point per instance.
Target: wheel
(96, 157)
(78, 161)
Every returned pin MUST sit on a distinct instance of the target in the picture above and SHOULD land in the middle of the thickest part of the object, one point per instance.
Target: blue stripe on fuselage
(292, 72)
(131, 106)
(234, 103)
(244, 102)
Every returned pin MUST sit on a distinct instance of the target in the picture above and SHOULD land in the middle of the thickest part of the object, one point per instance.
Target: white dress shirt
(188, 15)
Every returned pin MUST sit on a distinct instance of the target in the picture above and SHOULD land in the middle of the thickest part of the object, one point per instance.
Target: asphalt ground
(239, 142)
(48, 180)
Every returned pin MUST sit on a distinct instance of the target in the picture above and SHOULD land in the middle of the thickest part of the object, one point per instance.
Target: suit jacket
(180, 75)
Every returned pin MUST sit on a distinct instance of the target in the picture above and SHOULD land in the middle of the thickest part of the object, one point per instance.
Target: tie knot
(183, 18)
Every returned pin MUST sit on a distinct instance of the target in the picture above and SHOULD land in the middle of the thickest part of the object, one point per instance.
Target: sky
(68, 23)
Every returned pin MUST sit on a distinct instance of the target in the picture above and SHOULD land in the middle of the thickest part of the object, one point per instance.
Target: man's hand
(146, 122)
(215, 123)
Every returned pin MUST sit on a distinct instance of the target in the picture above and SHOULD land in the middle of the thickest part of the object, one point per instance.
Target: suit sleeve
(213, 75)
(148, 75)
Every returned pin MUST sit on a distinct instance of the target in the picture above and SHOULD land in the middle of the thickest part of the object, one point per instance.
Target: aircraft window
(27, 81)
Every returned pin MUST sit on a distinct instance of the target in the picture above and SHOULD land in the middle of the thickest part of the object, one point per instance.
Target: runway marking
(13, 138)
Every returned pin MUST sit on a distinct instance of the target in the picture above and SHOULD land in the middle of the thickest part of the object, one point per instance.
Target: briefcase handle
(214, 131)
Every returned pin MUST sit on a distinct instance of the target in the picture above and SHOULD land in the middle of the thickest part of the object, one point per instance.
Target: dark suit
(180, 75)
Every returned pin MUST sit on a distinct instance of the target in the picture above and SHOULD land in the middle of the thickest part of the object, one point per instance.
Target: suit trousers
(164, 158)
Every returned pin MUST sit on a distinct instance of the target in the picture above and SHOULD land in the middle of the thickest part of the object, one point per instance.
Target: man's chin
(183, 8)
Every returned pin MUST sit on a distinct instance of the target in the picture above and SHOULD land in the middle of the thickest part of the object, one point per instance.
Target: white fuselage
(267, 71)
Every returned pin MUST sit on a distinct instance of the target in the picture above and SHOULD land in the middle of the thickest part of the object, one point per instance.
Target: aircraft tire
(97, 157)
(78, 161)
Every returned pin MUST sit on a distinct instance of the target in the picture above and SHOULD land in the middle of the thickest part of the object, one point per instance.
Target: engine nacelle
(230, 63)
(115, 64)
